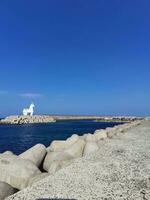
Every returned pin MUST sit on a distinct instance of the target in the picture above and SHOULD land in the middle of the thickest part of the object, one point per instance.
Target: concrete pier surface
(119, 170)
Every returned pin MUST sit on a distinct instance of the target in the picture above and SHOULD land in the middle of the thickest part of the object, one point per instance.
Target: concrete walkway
(119, 170)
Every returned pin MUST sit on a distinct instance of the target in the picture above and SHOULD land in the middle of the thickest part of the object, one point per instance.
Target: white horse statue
(29, 111)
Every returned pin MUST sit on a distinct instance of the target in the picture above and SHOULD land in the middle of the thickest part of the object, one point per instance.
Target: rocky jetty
(38, 162)
(98, 118)
(20, 119)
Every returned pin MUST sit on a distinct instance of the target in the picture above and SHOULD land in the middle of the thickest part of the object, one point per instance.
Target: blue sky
(75, 56)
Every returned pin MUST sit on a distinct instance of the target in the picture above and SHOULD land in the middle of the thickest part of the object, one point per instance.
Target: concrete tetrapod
(16, 171)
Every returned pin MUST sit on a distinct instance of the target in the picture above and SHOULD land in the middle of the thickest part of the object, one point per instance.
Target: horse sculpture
(29, 111)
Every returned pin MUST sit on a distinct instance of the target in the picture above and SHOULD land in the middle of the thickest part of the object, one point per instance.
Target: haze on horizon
(75, 57)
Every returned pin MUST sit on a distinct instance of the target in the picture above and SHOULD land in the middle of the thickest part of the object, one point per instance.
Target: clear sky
(75, 56)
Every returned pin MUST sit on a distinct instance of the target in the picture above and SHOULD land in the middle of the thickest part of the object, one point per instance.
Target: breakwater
(98, 118)
(38, 162)
(20, 119)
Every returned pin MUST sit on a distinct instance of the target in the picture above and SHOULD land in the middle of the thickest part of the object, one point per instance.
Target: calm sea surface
(18, 138)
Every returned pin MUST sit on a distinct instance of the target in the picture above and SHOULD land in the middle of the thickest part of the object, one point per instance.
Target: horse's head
(32, 105)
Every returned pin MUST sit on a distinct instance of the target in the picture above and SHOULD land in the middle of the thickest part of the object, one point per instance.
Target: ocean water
(18, 138)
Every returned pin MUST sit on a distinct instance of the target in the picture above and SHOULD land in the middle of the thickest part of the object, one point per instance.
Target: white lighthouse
(29, 111)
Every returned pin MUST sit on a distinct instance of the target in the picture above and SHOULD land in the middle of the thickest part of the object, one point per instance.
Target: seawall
(20, 119)
(118, 170)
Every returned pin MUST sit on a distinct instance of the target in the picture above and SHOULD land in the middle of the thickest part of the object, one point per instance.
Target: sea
(19, 138)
